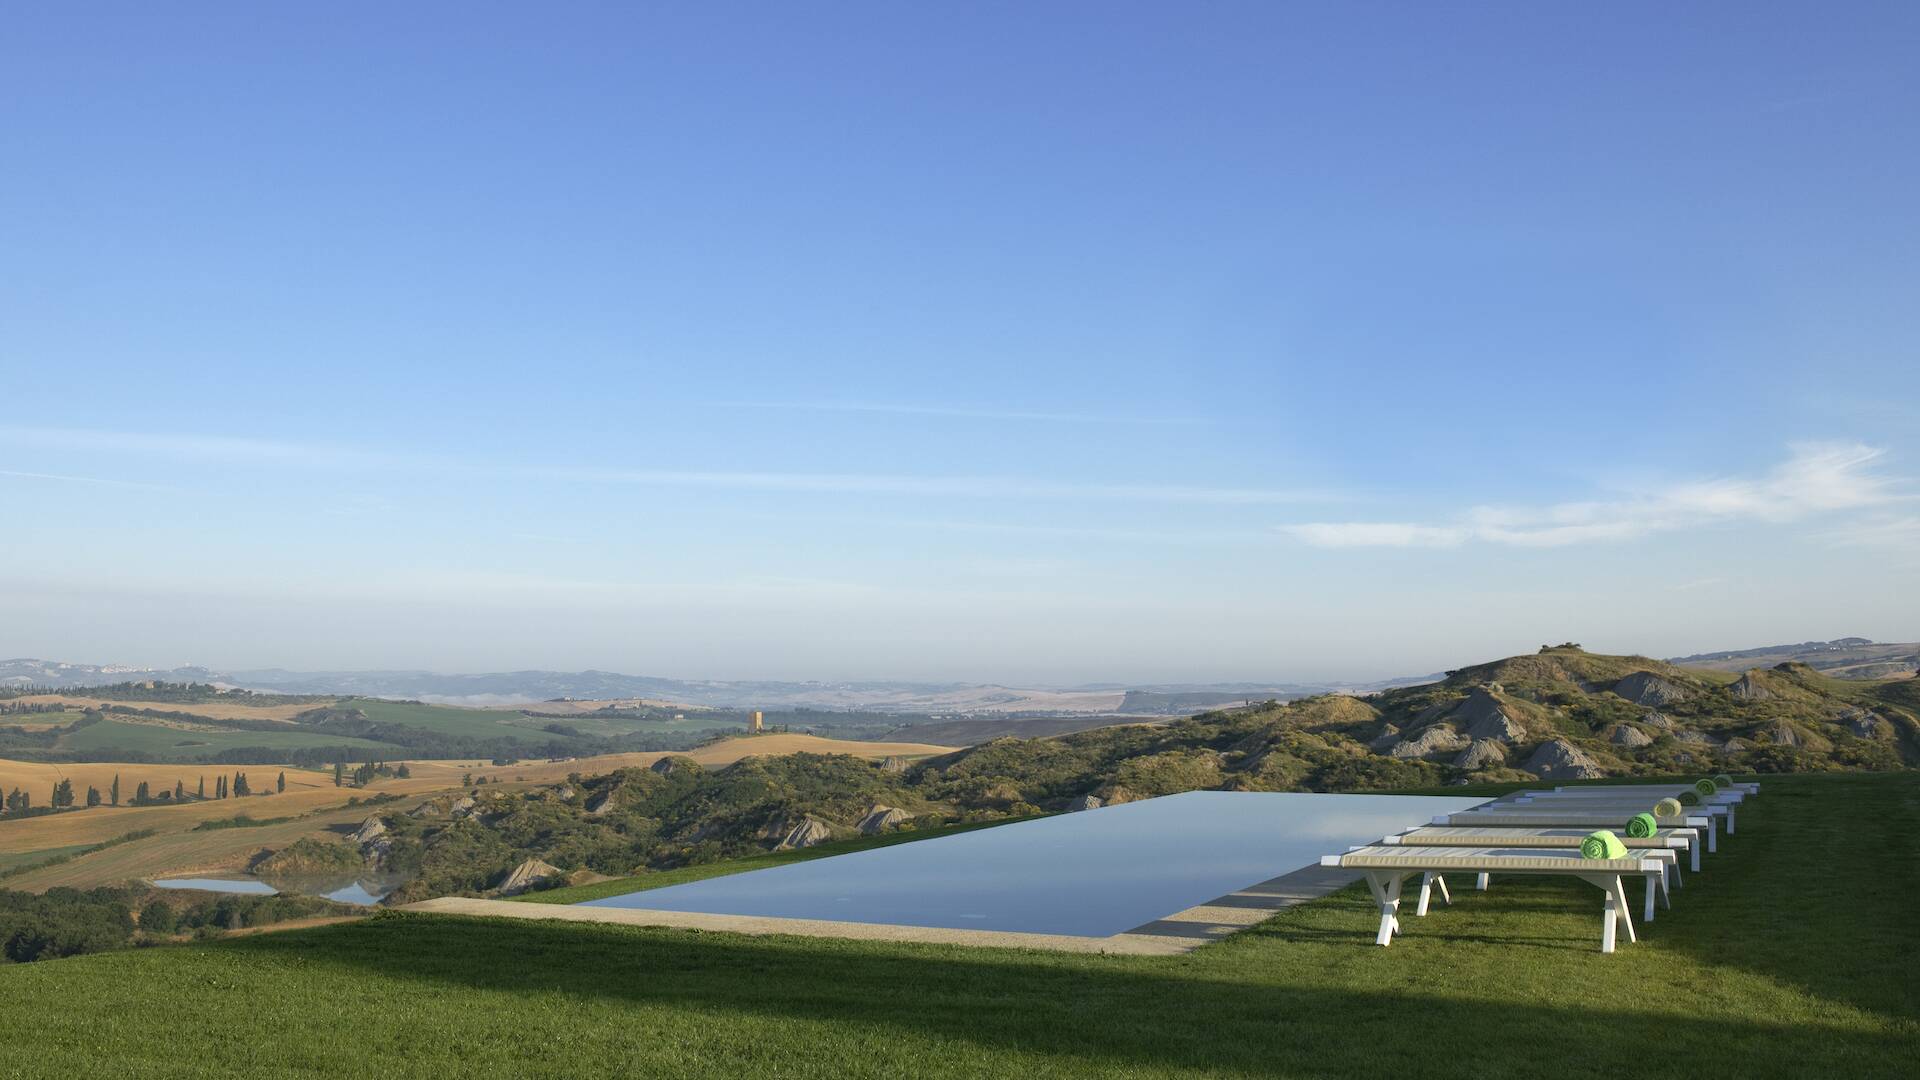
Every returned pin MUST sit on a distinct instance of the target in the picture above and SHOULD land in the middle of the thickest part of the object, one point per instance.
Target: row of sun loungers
(1555, 833)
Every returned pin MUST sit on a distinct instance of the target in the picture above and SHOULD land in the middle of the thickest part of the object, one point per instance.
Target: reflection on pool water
(363, 893)
(1091, 874)
(246, 886)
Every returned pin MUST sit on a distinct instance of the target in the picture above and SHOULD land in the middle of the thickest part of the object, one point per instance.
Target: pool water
(350, 892)
(1091, 874)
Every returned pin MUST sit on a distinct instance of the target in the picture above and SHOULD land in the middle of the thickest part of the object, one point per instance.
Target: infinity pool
(1092, 874)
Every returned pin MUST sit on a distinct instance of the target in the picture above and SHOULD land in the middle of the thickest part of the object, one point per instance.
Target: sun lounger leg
(1607, 921)
(1695, 849)
(1480, 882)
(1652, 885)
(1621, 908)
(1441, 880)
(1426, 893)
(1713, 835)
(1376, 884)
(1666, 896)
(1732, 812)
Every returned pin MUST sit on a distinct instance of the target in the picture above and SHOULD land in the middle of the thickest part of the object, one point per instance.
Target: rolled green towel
(1667, 808)
(1688, 798)
(1724, 780)
(1705, 787)
(1602, 845)
(1641, 826)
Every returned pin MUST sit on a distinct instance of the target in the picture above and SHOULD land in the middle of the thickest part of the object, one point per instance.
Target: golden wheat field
(219, 710)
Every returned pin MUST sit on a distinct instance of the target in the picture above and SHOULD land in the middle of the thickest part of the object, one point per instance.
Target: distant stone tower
(759, 722)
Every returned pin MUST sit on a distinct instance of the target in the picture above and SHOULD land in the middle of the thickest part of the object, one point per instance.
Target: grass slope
(1790, 956)
(164, 741)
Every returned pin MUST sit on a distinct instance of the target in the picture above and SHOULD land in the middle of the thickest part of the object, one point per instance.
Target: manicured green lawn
(1792, 955)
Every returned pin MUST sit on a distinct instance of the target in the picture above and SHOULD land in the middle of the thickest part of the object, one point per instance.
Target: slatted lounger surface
(1388, 866)
(1627, 804)
(1747, 789)
(1508, 816)
(1676, 840)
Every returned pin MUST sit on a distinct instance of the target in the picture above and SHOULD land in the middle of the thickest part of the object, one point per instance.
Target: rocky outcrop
(1657, 719)
(1646, 688)
(527, 875)
(893, 765)
(1735, 746)
(1782, 733)
(430, 808)
(1561, 760)
(806, 833)
(1748, 688)
(881, 818)
(370, 830)
(1695, 738)
(465, 806)
(1866, 725)
(1628, 736)
(1438, 739)
(667, 766)
(1483, 754)
(603, 802)
(1085, 802)
(1485, 718)
(1384, 741)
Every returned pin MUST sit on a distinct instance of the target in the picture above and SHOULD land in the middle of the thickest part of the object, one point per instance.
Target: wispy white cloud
(1818, 479)
(971, 487)
(194, 447)
(61, 478)
(327, 457)
(1880, 531)
(958, 412)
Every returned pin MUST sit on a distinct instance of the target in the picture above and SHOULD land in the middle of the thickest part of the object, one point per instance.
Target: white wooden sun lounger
(1506, 816)
(1748, 788)
(1387, 868)
(1628, 805)
(1677, 841)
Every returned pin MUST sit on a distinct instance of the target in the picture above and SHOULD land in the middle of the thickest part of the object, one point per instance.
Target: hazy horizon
(1040, 346)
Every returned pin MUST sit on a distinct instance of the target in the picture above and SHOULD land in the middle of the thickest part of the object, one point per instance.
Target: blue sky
(1043, 343)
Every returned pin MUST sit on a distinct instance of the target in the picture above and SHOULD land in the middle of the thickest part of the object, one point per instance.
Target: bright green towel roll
(1602, 845)
(1641, 826)
(1688, 798)
(1705, 787)
(1667, 808)
(1724, 780)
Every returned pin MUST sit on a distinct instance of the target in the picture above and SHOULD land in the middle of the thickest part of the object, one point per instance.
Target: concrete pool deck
(1181, 932)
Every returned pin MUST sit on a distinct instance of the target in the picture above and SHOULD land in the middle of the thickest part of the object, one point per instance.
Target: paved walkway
(1178, 933)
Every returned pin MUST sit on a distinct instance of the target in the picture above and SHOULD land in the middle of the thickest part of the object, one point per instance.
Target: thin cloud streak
(957, 412)
(1819, 479)
(980, 487)
(254, 452)
(62, 478)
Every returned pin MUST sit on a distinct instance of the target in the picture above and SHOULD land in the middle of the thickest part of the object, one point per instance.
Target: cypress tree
(179, 791)
(282, 785)
(140, 794)
(339, 772)
(116, 789)
(202, 792)
(93, 796)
